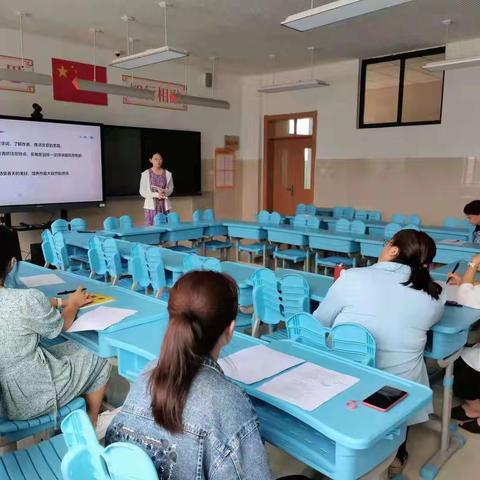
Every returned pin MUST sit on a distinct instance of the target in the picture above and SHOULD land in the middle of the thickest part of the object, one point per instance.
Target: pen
(66, 292)
(455, 268)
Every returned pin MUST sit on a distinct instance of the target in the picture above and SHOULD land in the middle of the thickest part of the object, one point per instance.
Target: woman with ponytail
(192, 421)
(398, 302)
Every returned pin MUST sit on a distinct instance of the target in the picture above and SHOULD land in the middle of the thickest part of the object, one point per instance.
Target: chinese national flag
(63, 74)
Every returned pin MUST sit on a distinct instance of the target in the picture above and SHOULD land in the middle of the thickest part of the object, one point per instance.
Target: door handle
(291, 190)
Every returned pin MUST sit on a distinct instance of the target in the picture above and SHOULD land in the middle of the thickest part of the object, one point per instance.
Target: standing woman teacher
(156, 185)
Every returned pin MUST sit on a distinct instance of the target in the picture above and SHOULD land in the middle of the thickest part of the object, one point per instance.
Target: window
(397, 90)
(224, 168)
(307, 169)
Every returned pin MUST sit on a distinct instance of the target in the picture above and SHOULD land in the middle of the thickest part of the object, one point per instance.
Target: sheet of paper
(452, 242)
(100, 319)
(256, 363)
(451, 291)
(41, 280)
(308, 386)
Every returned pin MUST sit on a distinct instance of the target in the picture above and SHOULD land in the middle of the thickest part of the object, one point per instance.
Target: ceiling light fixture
(22, 75)
(451, 63)
(201, 101)
(109, 88)
(153, 55)
(336, 12)
(299, 84)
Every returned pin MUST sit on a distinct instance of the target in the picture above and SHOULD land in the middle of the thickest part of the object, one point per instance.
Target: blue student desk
(242, 274)
(441, 273)
(182, 231)
(147, 234)
(449, 253)
(148, 309)
(341, 443)
(239, 229)
(342, 242)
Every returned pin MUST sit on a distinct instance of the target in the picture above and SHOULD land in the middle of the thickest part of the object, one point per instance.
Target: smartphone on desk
(385, 398)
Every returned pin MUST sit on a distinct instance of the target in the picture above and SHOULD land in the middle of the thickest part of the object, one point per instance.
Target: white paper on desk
(450, 290)
(100, 319)
(41, 280)
(253, 364)
(452, 242)
(308, 386)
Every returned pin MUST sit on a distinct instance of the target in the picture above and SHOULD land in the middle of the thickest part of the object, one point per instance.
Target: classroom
(239, 239)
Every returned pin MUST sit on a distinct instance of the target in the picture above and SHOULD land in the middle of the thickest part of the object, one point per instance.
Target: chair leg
(134, 285)
(159, 293)
(46, 265)
(92, 274)
(256, 327)
(114, 280)
(283, 263)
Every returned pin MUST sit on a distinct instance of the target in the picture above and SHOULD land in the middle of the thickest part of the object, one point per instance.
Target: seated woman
(467, 368)
(191, 420)
(35, 380)
(398, 302)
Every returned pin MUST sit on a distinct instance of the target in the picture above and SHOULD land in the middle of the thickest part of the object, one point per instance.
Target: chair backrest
(451, 222)
(391, 229)
(156, 268)
(208, 215)
(398, 218)
(349, 213)
(173, 218)
(60, 248)
(48, 248)
(96, 256)
(59, 225)
(86, 458)
(413, 220)
(411, 227)
(294, 295)
(300, 220)
(310, 209)
(338, 212)
(111, 223)
(77, 224)
(139, 268)
(159, 219)
(375, 215)
(197, 216)
(112, 257)
(275, 218)
(357, 226)
(349, 341)
(361, 215)
(125, 222)
(263, 216)
(342, 225)
(313, 222)
(300, 209)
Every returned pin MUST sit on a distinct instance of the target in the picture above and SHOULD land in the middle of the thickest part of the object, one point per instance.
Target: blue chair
(413, 219)
(139, 269)
(411, 227)
(173, 218)
(301, 209)
(375, 216)
(197, 216)
(349, 213)
(390, 230)
(196, 262)
(263, 216)
(61, 252)
(12, 431)
(78, 224)
(453, 222)
(338, 212)
(310, 209)
(398, 218)
(294, 255)
(313, 222)
(156, 270)
(111, 223)
(208, 215)
(96, 258)
(159, 219)
(348, 340)
(125, 222)
(357, 226)
(59, 225)
(48, 249)
(115, 266)
(361, 215)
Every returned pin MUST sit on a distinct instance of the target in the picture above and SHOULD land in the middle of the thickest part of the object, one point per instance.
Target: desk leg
(449, 442)
(237, 252)
(264, 254)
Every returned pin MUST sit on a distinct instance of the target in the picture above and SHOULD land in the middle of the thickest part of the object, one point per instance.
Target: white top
(397, 316)
(148, 195)
(469, 295)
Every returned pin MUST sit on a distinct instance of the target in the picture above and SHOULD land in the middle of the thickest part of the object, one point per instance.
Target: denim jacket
(220, 441)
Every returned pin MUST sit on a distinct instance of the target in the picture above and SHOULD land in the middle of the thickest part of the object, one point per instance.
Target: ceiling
(243, 33)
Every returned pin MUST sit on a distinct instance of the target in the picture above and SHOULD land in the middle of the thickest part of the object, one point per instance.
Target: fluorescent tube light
(336, 12)
(200, 101)
(99, 87)
(286, 87)
(148, 57)
(452, 64)
(25, 77)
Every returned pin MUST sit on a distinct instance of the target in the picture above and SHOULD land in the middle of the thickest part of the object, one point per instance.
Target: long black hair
(8, 250)
(417, 250)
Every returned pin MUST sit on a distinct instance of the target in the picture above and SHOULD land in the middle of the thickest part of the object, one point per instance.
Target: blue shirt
(220, 441)
(397, 316)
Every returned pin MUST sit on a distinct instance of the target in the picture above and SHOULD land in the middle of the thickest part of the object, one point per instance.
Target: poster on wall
(224, 168)
(164, 93)
(15, 63)
(232, 141)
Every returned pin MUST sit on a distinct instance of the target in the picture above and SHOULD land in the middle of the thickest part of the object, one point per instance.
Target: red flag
(63, 74)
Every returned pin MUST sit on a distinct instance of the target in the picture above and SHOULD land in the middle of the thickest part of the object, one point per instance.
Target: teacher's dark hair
(8, 250)
(202, 304)
(417, 250)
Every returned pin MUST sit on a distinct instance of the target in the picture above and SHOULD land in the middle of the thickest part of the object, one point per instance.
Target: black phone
(452, 303)
(385, 398)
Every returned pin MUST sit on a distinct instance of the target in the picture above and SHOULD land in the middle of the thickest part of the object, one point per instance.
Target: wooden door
(293, 169)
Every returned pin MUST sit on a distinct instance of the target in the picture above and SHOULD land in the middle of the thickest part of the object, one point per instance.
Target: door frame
(268, 121)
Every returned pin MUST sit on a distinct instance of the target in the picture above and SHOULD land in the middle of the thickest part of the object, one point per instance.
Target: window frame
(403, 57)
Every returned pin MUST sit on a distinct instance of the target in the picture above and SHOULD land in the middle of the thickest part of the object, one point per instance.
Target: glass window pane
(304, 126)
(307, 169)
(422, 93)
(381, 92)
(291, 127)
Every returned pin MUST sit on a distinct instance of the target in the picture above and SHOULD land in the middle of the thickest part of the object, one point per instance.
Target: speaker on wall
(208, 80)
